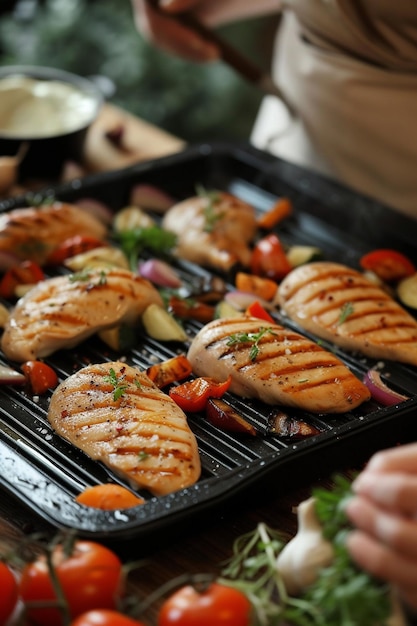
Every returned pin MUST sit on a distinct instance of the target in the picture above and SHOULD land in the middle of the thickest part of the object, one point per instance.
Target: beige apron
(352, 75)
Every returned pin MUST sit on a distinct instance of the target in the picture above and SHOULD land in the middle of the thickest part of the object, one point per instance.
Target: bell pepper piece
(170, 371)
(25, 273)
(71, 247)
(269, 259)
(192, 396)
(263, 288)
(191, 309)
(257, 310)
(278, 212)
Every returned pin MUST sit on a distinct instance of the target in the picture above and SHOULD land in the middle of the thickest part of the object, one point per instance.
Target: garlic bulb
(301, 559)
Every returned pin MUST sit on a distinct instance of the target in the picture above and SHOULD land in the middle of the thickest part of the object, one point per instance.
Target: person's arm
(161, 27)
(384, 512)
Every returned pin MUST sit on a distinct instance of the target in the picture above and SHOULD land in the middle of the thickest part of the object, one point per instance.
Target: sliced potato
(407, 291)
(104, 256)
(160, 325)
(4, 315)
(119, 337)
(224, 309)
(299, 255)
(132, 217)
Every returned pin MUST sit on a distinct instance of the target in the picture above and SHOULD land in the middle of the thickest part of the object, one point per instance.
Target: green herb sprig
(153, 238)
(250, 338)
(343, 595)
(211, 214)
(345, 312)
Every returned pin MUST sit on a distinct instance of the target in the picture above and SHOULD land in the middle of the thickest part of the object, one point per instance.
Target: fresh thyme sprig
(345, 312)
(250, 338)
(211, 214)
(86, 274)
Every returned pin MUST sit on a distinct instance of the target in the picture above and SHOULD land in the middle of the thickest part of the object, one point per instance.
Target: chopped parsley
(118, 385)
(142, 455)
(85, 275)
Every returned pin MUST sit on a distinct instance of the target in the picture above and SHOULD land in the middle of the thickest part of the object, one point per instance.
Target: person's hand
(160, 27)
(384, 511)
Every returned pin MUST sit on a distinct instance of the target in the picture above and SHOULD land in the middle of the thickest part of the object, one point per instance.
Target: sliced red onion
(159, 273)
(240, 300)
(9, 376)
(380, 392)
(100, 210)
(150, 197)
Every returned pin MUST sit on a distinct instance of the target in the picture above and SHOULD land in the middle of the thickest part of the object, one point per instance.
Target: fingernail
(363, 483)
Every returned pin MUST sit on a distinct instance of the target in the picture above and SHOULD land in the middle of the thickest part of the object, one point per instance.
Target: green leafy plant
(342, 595)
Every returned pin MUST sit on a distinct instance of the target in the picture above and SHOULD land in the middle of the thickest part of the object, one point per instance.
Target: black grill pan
(44, 472)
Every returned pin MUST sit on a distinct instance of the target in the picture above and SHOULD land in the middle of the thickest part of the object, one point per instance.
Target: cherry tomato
(40, 376)
(269, 259)
(104, 618)
(90, 577)
(193, 395)
(8, 594)
(25, 273)
(389, 265)
(71, 247)
(218, 605)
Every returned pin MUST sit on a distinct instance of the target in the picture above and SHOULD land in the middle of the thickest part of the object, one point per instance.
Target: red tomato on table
(104, 617)
(90, 577)
(217, 605)
(8, 593)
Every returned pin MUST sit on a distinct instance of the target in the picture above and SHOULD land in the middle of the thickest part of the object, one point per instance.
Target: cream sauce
(33, 108)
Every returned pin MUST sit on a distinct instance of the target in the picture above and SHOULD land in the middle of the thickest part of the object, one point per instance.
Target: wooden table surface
(205, 545)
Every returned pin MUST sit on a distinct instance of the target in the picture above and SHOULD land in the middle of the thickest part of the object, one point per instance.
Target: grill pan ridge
(44, 472)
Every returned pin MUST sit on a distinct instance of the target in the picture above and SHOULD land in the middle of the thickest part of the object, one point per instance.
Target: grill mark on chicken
(142, 435)
(33, 232)
(287, 369)
(315, 296)
(61, 312)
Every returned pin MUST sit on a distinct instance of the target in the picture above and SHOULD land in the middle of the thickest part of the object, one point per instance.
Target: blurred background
(98, 38)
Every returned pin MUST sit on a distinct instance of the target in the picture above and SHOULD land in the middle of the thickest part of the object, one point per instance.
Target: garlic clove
(301, 559)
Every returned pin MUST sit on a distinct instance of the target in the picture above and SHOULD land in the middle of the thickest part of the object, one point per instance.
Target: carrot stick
(279, 211)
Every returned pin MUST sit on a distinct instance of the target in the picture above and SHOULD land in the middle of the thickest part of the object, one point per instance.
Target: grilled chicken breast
(33, 232)
(341, 305)
(116, 415)
(275, 365)
(213, 230)
(61, 312)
